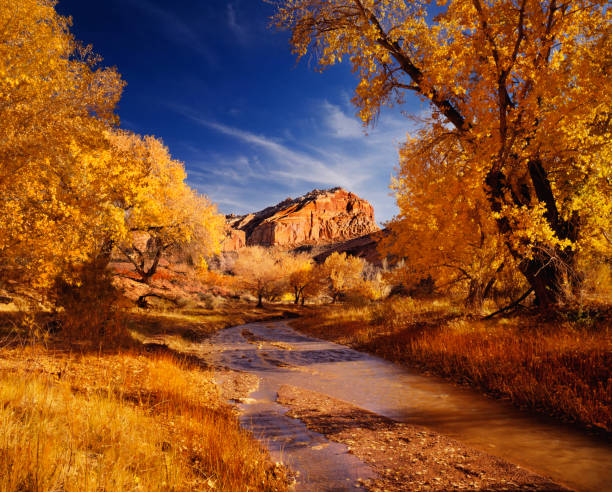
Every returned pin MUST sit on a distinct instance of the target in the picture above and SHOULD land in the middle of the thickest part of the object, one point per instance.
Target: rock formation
(234, 239)
(319, 217)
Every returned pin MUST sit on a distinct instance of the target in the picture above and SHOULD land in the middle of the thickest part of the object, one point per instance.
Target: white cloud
(341, 125)
(232, 22)
(264, 169)
(229, 198)
(235, 169)
(290, 164)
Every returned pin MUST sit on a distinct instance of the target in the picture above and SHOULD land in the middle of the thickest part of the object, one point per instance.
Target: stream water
(279, 355)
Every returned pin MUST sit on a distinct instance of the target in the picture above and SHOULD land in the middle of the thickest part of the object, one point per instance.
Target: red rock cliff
(321, 216)
(234, 239)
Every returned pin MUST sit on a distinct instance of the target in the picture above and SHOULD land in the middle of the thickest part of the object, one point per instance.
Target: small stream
(280, 355)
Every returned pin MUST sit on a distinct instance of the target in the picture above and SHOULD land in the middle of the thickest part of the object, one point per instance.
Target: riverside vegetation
(131, 417)
(504, 201)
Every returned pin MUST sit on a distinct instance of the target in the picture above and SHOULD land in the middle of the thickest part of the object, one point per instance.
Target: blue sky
(225, 94)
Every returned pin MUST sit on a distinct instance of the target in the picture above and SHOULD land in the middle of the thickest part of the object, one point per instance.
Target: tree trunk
(546, 277)
(259, 300)
(147, 275)
(557, 267)
(486, 293)
(296, 296)
(106, 251)
(550, 267)
(475, 295)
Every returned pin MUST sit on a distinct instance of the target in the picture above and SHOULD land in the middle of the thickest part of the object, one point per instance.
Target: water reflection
(321, 464)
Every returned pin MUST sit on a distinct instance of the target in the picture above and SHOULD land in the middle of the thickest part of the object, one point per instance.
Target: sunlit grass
(54, 439)
(560, 367)
(121, 420)
(8, 308)
(199, 322)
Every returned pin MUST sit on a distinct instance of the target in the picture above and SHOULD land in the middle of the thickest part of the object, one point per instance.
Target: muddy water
(320, 464)
(280, 355)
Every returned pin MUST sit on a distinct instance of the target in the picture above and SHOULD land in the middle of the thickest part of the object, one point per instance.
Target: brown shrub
(86, 307)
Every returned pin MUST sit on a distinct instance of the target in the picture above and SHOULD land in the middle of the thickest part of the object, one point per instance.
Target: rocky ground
(406, 457)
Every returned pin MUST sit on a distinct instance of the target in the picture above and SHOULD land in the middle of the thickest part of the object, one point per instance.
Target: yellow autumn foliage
(55, 107)
(342, 274)
(524, 87)
(444, 230)
(73, 186)
(162, 205)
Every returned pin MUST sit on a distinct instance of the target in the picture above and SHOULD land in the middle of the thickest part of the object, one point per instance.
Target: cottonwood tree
(315, 283)
(72, 186)
(162, 206)
(310, 282)
(374, 285)
(524, 86)
(342, 273)
(453, 240)
(301, 275)
(260, 271)
(56, 107)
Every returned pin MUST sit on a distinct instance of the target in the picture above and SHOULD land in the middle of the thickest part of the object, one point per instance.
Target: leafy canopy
(56, 198)
(523, 86)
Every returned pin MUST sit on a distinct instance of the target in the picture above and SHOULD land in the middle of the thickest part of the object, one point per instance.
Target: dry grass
(121, 420)
(195, 324)
(560, 367)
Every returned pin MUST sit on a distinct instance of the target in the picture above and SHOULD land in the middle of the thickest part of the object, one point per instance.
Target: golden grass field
(74, 416)
(77, 418)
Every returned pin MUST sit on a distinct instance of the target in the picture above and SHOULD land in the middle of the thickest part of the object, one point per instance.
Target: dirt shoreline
(407, 457)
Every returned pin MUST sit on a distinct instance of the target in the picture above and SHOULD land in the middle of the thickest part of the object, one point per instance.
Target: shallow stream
(280, 355)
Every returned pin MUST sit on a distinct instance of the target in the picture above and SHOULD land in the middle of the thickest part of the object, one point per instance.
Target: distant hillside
(317, 218)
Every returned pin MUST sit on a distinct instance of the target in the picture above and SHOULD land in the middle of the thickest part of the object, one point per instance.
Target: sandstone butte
(319, 217)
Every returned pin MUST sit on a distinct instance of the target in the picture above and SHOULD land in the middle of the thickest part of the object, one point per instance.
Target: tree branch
(509, 306)
(444, 105)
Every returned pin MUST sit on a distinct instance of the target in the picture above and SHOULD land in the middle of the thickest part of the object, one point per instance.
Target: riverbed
(279, 355)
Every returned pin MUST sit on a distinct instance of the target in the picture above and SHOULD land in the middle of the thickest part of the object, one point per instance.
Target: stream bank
(279, 355)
